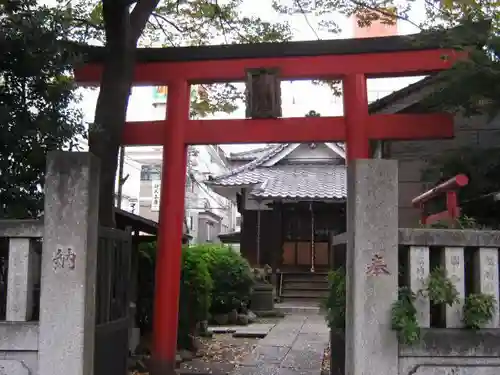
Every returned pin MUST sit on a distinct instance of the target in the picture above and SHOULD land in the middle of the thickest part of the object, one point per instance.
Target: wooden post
(168, 258)
(356, 117)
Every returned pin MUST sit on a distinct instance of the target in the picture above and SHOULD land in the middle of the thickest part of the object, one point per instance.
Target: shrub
(231, 275)
(145, 286)
(195, 291)
(335, 303)
(404, 317)
(195, 294)
(440, 288)
(478, 310)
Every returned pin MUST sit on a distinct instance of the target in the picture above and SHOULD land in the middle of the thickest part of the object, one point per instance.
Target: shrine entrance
(262, 66)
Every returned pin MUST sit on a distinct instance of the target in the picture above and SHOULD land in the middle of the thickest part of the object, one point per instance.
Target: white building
(207, 214)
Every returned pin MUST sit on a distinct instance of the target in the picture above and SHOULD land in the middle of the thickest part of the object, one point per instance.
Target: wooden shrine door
(300, 254)
(305, 240)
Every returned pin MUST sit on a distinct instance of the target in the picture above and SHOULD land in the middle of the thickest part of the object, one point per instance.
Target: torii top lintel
(401, 55)
(351, 60)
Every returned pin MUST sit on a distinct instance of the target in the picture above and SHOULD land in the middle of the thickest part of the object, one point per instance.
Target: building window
(189, 184)
(151, 172)
(238, 221)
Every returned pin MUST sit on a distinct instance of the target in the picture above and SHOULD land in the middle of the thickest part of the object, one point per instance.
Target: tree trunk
(105, 134)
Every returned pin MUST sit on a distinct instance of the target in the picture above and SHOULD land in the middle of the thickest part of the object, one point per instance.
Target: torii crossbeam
(350, 60)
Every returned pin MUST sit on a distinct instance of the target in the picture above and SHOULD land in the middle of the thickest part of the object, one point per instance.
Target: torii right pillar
(372, 244)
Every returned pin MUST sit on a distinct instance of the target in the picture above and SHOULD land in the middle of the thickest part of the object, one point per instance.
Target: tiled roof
(252, 165)
(309, 181)
(250, 155)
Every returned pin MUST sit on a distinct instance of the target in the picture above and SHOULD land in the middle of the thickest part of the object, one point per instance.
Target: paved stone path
(254, 330)
(295, 346)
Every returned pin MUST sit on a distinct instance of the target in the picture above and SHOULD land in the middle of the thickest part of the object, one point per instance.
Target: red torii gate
(352, 61)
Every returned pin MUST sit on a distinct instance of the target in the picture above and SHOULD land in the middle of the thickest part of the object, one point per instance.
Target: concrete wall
(413, 156)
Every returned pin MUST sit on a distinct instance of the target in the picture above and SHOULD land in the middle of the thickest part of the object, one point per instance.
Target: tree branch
(160, 26)
(385, 13)
(166, 20)
(140, 15)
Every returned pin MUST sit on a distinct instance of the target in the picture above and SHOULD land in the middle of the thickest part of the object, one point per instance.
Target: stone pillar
(454, 265)
(20, 280)
(372, 267)
(486, 277)
(68, 272)
(419, 272)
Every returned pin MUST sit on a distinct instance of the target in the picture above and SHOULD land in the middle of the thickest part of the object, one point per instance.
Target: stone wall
(62, 341)
(474, 132)
(452, 352)
(18, 348)
(381, 258)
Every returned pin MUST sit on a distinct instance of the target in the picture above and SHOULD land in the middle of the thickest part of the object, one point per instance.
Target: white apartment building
(207, 214)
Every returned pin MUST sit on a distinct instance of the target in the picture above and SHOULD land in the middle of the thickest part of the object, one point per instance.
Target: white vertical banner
(155, 200)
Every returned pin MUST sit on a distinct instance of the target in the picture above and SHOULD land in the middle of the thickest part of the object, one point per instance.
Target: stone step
(305, 276)
(306, 285)
(309, 294)
(312, 281)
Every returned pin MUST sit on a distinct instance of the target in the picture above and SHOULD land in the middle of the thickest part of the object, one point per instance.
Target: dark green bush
(335, 304)
(231, 275)
(195, 296)
(145, 286)
(195, 291)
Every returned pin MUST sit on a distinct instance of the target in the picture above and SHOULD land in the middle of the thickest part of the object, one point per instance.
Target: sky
(299, 97)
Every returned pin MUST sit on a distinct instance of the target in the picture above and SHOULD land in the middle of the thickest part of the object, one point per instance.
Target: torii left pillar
(169, 252)
(372, 244)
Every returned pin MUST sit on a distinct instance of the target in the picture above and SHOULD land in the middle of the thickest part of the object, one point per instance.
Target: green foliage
(214, 279)
(145, 286)
(471, 85)
(232, 277)
(478, 310)
(173, 23)
(195, 294)
(439, 288)
(463, 222)
(467, 222)
(335, 304)
(36, 95)
(404, 317)
(195, 291)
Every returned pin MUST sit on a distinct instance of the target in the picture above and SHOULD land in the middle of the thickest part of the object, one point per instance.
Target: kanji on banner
(155, 200)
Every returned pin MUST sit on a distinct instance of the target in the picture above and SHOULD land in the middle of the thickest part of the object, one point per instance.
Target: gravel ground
(325, 366)
(220, 354)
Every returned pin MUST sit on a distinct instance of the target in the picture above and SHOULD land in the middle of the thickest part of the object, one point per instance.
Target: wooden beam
(387, 64)
(296, 130)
